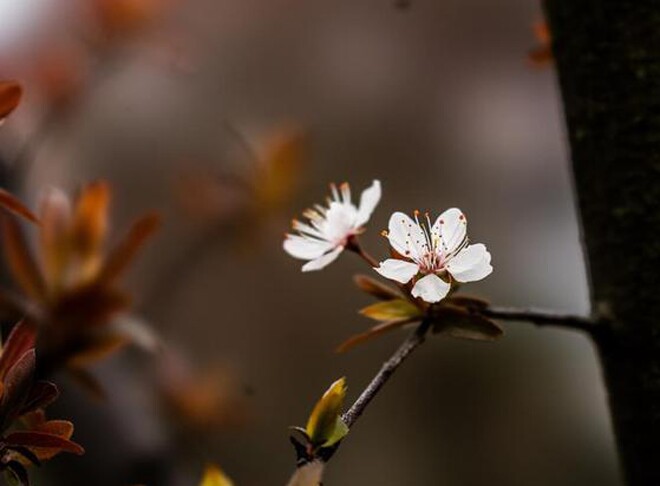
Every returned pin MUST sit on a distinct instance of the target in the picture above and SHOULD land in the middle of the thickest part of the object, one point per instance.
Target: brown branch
(351, 416)
(413, 341)
(607, 64)
(542, 318)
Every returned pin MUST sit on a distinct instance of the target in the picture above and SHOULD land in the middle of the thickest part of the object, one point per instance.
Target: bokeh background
(436, 98)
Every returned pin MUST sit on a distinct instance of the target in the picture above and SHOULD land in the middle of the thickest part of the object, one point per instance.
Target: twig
(357, 409)
(542, 318)
(353, 244)
(387, 370)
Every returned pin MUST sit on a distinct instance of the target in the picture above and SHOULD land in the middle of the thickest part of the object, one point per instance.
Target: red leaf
(58, 428)
(90, 221)
(61, 428)
(43, 440)
(12, 204)
(10, 96)
(42, 394)
(89, 306)
(20, 339)
(122, 255)
(20, 260)
(17, 384)
(373, 333)
(55, 211)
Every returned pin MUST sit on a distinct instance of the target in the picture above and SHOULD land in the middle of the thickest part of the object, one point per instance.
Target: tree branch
(542, 318)
(606, 53)
(386, 371)
(351, 416)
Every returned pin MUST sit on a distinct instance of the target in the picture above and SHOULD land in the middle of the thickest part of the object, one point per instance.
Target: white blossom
(324, 237)
(433, 254)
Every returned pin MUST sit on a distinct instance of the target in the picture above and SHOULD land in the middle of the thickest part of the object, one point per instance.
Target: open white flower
(329, 229)
(437, 252)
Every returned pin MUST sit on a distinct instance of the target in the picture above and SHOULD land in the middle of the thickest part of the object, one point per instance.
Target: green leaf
(391, 310)
(213, 476)
(324, 426)
(339, 432)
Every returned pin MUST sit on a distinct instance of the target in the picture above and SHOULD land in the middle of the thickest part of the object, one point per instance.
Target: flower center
(432, 253)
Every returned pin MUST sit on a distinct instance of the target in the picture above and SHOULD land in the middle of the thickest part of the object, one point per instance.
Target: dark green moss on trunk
(608, 60)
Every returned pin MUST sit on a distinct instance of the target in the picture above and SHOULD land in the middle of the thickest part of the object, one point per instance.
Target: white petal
(368, 201)
(323, 261)
(471, 264)
(431, 288)
(452, 227)
(398, 270)
(339, 221)
(405, 236)
(345, 189)
(305, 248)
(307, 229)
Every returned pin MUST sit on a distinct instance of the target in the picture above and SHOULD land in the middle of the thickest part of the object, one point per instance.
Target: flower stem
(353, 244)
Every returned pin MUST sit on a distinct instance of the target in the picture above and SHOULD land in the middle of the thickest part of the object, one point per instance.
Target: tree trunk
(608, 58)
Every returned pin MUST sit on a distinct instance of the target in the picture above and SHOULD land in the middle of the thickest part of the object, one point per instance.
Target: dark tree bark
(608, 59)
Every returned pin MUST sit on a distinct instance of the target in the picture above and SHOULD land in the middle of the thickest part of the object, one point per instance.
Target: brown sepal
(373, 333)
(375, 288)
(460, 322)
(467, 301)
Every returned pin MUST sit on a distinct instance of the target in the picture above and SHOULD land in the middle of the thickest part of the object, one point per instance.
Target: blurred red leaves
(263, 189)
(10, 96)
(27, 437)
(61, 73)
(12, 204)
(201, 400)
(541, 55)
(125, 17)
(70, 287)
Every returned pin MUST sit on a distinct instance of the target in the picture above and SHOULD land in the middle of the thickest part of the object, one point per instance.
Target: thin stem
(359, 406)
(385, 373)
(542, 318)
(354, 245)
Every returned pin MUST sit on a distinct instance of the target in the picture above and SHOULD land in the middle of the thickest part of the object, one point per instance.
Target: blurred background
(189, 108)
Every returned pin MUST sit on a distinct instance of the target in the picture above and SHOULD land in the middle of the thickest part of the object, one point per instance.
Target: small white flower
(434, 251)
(322, 239)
